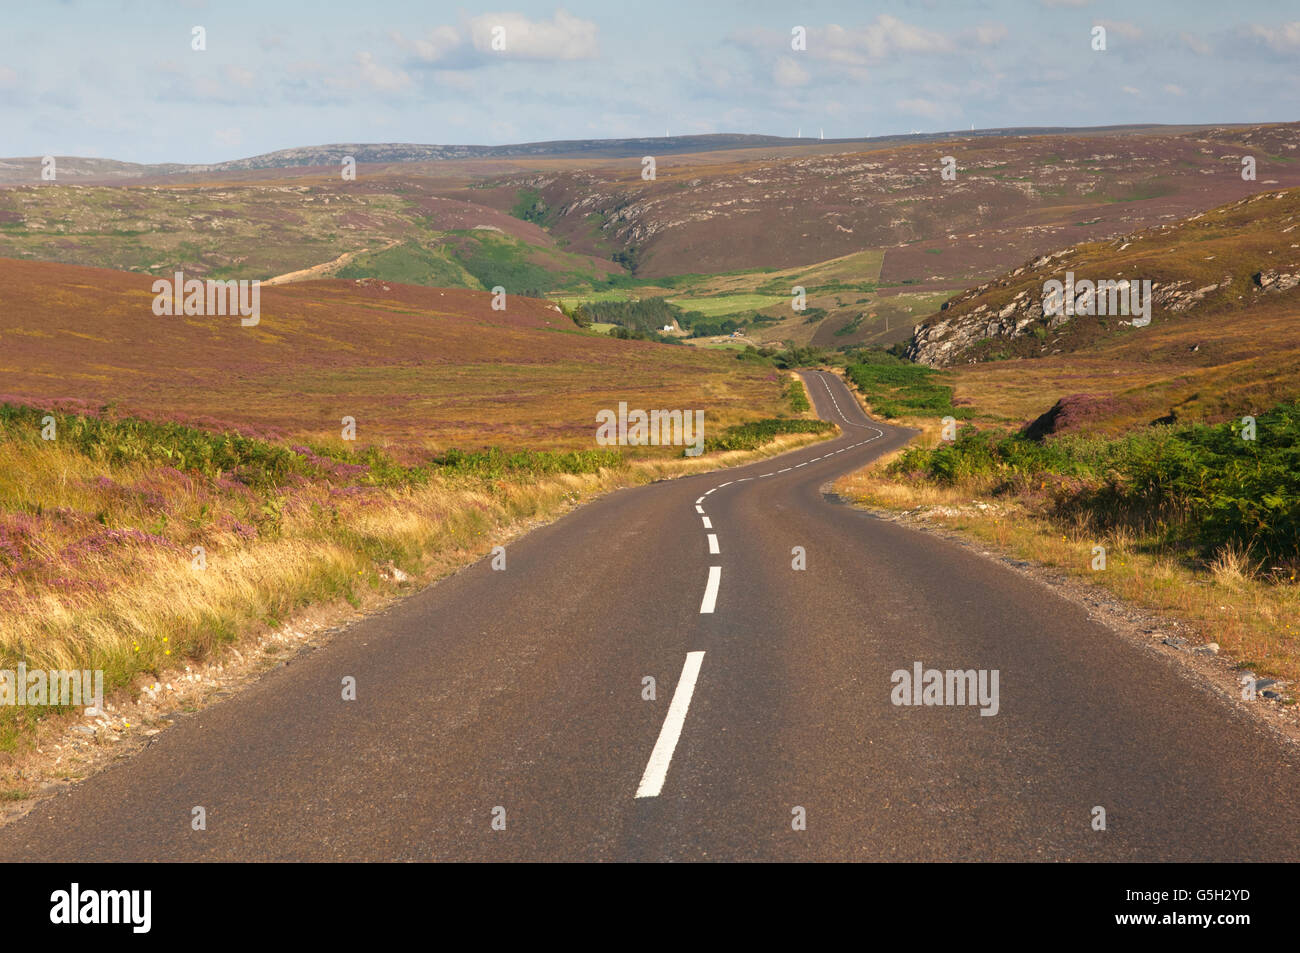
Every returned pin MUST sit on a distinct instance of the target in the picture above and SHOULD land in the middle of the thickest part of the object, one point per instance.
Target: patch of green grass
(409, 263)
(850, 327)
(797, 394)
(756, 433)
(497, 259)
(897, 388)
(530, 207)
(495, 463)
(1202, 486)
(720, 305)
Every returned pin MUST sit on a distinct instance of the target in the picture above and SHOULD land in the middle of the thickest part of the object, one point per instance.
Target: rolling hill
(420, 369)
(1223, 341)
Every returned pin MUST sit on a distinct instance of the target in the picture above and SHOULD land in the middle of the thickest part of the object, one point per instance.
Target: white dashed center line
(656, 770)
(711, 590)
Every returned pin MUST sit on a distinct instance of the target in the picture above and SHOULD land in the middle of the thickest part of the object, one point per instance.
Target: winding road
(520, 699)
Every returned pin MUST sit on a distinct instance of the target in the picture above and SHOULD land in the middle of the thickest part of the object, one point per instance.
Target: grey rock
(1276, 281)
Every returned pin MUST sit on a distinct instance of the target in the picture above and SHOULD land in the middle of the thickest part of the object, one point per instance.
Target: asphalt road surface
(516, 699)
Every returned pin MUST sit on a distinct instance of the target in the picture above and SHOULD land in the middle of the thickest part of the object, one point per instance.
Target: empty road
(517, 699)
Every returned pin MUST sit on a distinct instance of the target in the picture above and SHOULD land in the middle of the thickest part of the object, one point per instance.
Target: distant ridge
(73, 169)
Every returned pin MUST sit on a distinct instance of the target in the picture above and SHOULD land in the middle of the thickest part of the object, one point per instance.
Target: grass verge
(1193, 521)
(136, 547)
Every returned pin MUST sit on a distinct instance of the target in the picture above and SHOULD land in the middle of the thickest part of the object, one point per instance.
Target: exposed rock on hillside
(1015, 316)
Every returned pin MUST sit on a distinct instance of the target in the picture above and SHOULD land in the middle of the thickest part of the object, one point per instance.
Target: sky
(122, 79)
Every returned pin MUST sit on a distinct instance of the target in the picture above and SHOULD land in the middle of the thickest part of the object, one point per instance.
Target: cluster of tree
(784, 358)
(650, 314)
(636, 334)
(629, 258)
(704, 327)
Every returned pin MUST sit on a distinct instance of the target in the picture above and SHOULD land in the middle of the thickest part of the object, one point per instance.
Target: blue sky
(119, 78)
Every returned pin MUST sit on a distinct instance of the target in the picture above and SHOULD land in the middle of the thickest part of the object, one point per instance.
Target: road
(523, 690)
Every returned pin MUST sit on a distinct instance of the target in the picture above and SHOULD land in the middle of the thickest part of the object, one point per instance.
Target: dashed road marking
(656, 769)
(711, 590)
(713, 544)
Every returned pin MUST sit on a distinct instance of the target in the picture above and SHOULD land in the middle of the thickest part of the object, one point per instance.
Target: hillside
(419, 369)
(1217, 263)
(1012, 197)
(1223, 339)
(871, 230)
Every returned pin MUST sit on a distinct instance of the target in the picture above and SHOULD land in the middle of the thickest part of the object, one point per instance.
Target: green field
(410, 263)
(728, 304)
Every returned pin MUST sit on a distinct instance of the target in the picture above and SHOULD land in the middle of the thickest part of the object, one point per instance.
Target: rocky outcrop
(1276, 280)
(948, 340)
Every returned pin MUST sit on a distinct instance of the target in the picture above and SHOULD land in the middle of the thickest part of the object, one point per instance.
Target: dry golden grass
(1255, 621)
(141, 608)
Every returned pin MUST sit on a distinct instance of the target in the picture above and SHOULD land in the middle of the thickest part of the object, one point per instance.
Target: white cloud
(890, 35)
(1125, 28)
(436, 45)
(1131, 90)
(789, 73)
(380, 77)
(8, 76)
(990, 34)
(564, 37)
(1196, 44)
(1174, 89)
(1282, 39)
(886, 37)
